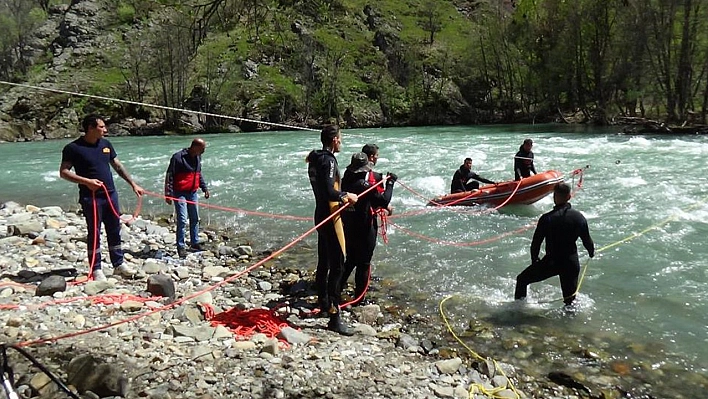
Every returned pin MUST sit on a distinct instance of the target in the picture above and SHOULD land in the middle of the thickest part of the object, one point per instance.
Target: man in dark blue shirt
(91, 156)
(561, 228)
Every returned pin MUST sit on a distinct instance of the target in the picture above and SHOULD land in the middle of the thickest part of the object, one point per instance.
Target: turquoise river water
(643, 300)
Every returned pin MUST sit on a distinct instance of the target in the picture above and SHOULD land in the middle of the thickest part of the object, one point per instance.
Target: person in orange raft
(523, 161)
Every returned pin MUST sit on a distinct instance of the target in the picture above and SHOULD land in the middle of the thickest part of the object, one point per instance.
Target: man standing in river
(90, 156)
(561, 228)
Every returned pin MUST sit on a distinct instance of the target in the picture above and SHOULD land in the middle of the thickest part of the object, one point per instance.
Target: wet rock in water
(621, 368)
(568, 381)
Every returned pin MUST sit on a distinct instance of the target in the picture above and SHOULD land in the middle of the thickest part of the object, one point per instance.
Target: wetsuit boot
(336, 324)
(323, 306)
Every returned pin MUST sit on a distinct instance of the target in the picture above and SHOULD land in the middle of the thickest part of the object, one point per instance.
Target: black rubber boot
(323, 305)
(335, 324)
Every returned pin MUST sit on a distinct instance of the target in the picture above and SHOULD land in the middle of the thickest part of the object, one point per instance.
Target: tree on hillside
(255, 13)
(662, 51)
(431, 19)
(629, 76)
(692, 23)
(322, 11)
(43, 4)
(330, 94)
(598, 26)
(172, 50)
(18, 19)
(135, 68)
(211, 91)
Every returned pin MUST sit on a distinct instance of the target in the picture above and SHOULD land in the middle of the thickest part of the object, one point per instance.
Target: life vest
(187, 181)
(371, 179)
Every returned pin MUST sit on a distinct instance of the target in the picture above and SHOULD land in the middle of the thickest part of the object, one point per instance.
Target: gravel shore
(116, 339)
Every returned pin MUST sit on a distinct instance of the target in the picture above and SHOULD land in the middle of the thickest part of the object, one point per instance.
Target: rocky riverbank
(170, 349)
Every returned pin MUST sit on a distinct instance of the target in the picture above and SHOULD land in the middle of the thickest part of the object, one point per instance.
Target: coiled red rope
(97, 226)
(382, 214)
(245, 323)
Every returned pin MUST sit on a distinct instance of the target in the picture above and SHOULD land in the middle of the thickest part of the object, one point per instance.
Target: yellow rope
(479, 387)
(624, 240)
(492, 393)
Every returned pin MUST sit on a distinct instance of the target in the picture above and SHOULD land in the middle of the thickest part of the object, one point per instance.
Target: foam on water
(637, 290)
(50, 176)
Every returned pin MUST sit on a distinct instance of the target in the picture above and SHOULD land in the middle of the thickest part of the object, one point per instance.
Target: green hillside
(353, 62)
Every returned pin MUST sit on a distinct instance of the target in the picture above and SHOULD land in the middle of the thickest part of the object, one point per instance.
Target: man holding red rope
(90, 156)
(361, 223)
(323, 172)
(183, 178)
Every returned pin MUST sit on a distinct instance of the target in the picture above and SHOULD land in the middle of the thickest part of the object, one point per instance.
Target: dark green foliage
(393, 62)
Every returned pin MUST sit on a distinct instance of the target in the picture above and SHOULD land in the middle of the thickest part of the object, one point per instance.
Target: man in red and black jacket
(183, 178)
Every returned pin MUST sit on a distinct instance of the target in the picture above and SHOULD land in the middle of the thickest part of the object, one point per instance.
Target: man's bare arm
(66, 173)
(123, 173)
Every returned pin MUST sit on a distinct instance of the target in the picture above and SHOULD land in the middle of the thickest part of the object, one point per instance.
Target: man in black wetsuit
(523, 161)
(372, 151)
(361, 224)
(324, 177)
(561, 228)
(465, 179)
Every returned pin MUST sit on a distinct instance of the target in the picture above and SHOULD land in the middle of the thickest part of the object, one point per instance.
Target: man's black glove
(391, 177)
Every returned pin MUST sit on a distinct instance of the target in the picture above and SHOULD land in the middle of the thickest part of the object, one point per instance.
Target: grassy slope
(361, 79)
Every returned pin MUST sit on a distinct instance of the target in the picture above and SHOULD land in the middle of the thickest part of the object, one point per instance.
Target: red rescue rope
(382, 213)
(97, 226)
(195, 294)
(229, 209)
(245, 323)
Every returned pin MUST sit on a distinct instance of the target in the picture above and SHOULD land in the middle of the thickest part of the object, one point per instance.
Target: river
(642, 303)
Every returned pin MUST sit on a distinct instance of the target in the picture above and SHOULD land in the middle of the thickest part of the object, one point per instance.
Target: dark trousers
(330, 260)
(472, 185)
(567, 269)
(361, 242)
(99, 211)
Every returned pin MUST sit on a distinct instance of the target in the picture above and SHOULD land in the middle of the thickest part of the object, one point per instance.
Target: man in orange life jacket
(361, 223)
(90, 156)
(183, 178)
